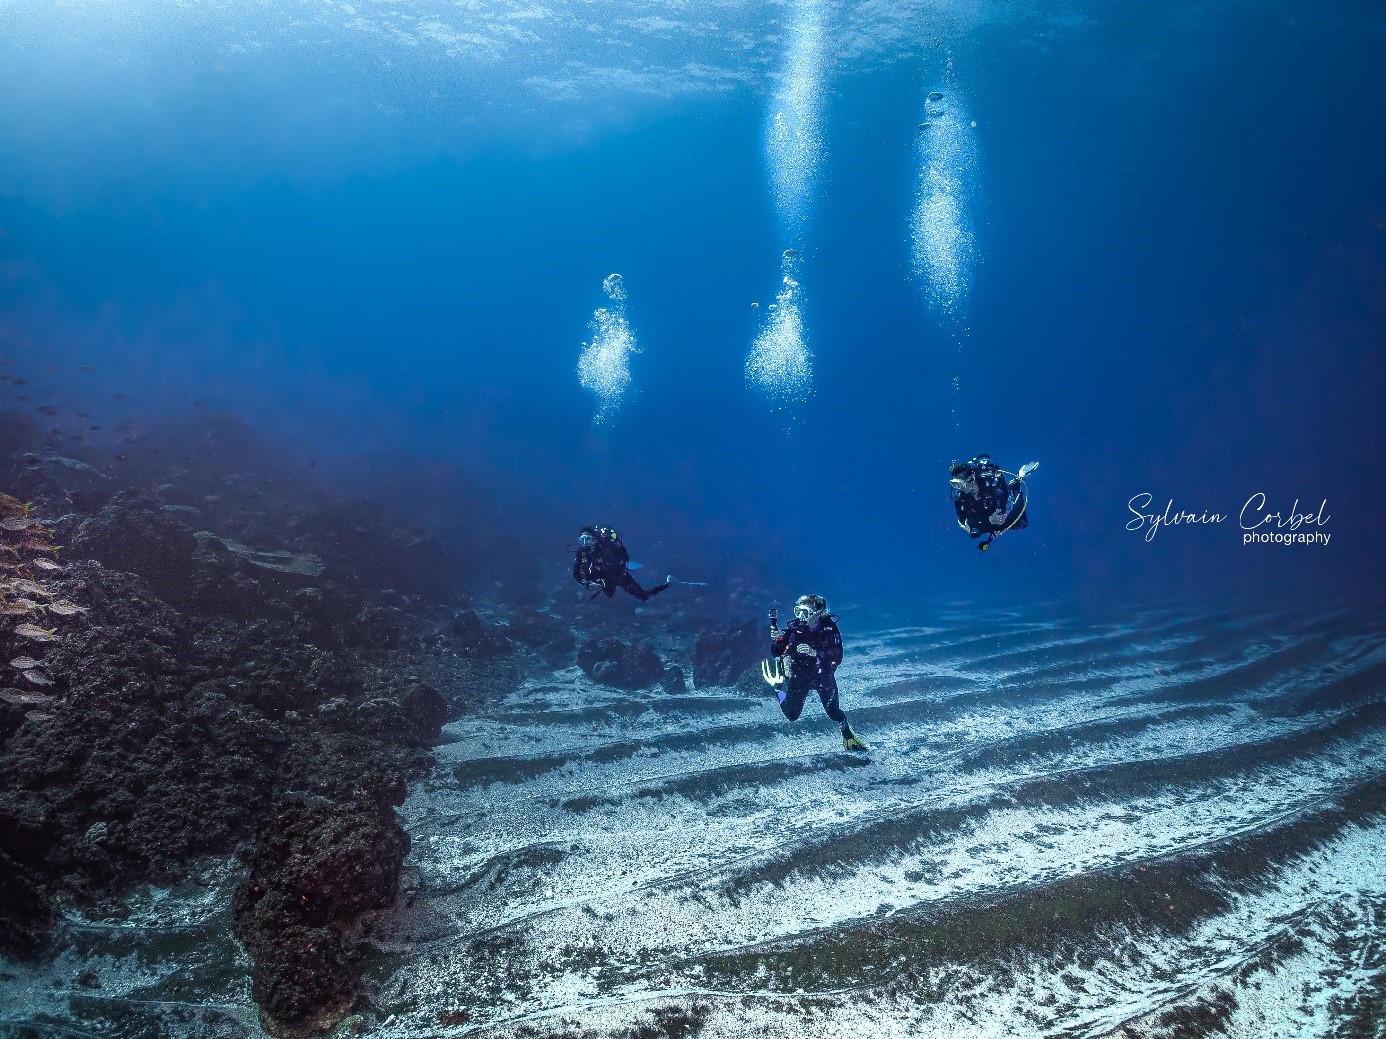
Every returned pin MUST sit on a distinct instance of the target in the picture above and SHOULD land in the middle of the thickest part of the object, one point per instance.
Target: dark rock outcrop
(722, 657)
(224, 678)
(174, 734)
(674, 680)
(545, 633)
(320, 871)
(613, 662)
(134, 533)
(471, 637)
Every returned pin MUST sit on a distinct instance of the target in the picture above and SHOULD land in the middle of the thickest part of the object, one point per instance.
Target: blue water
(378, 234)
(1119, 783)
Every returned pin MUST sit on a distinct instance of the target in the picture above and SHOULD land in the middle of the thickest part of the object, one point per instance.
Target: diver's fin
(772, 671)
(635, 566)
(1027, 469)
(851, 741)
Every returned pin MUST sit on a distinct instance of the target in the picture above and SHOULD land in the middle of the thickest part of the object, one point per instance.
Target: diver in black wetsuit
(986, 503)
(602, 560)
(811, 650)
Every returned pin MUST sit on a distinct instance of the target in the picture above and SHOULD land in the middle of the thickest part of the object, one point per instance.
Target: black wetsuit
(810, 672)
(607, 563)
(997, 506)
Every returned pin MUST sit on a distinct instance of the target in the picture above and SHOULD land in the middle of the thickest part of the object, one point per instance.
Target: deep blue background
(1182, 291)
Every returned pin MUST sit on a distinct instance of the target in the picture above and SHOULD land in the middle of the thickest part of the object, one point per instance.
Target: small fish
(38, 678)
(30, 631)
(78, 437)
(88, 368)
(30, 588)
(24, 663)
(47, 409)
(122, 396)
(93, 429)
(21, 397)
(46, 564)
(20, 382)
(65, 608)
(17, 523)
(18, 608)
(37, 546)
(82, 414)
(119, 458)
(32, 461)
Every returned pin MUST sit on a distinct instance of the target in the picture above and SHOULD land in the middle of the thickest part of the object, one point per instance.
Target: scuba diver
(602, 560)
(805, 656)
(988, 505)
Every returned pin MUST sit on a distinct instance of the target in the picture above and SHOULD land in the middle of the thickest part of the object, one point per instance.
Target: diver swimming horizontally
(603, 560)
(986, 502)
(805, 656)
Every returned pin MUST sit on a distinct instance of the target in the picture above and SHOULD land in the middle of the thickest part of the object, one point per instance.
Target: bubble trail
(794, 134)
(944, 246)
(779, 362)
(604, 365)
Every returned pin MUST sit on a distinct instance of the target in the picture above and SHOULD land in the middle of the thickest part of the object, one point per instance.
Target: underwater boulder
(413, 715)
(471, 637)
(613, 662)
(674, 680)
(722, 656)
(320, 872)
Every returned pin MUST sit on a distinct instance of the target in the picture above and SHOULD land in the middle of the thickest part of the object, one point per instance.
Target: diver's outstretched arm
(1027, 469)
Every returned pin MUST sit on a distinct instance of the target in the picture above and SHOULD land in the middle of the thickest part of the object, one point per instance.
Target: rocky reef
(216, 690)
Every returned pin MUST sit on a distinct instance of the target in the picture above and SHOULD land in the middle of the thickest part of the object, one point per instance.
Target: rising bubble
(794, 135)
(604, 366)
(943, 244)
(779, 362)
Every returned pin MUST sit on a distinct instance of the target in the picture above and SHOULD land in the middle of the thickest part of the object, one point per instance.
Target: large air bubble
(604, 366)
(779, 362)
